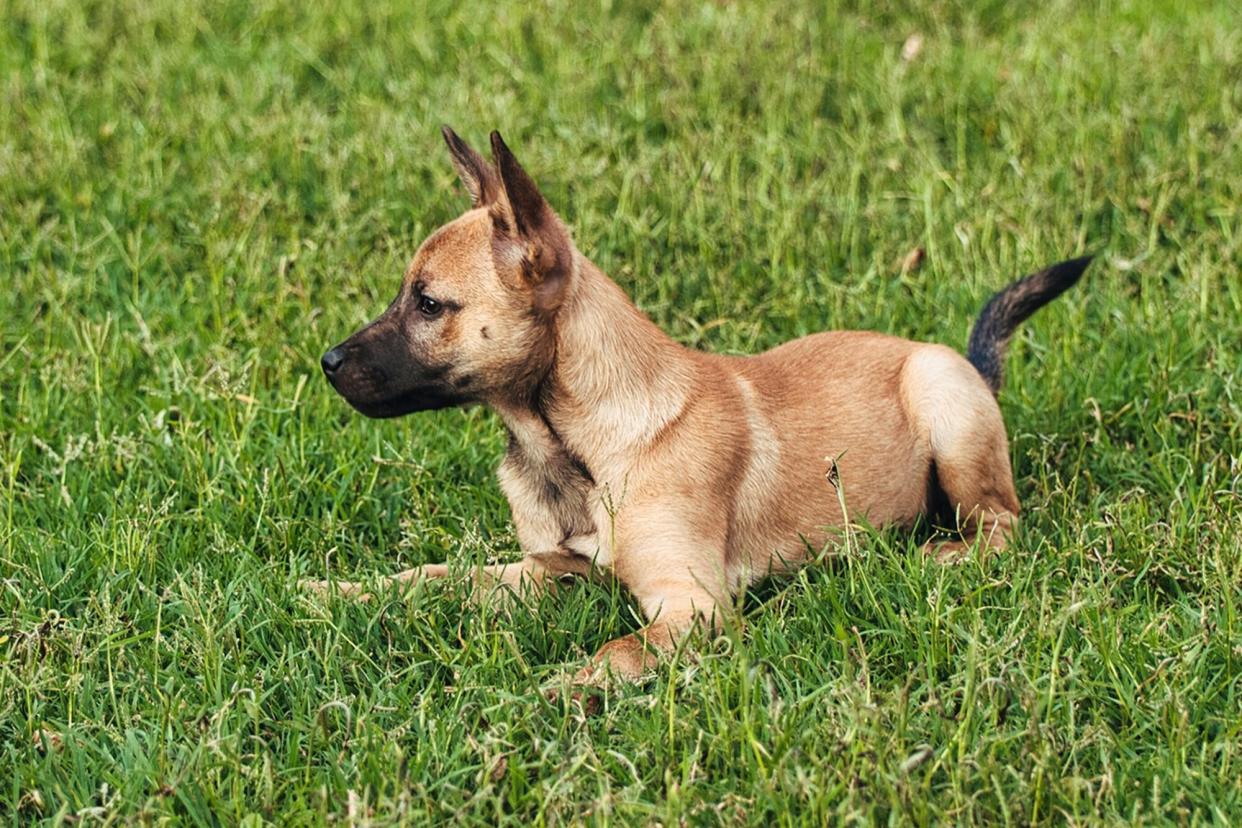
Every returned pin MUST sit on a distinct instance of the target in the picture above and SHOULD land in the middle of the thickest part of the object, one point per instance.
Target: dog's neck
(616, 379)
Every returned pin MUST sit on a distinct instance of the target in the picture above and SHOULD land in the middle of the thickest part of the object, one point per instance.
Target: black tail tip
(1070, 271)
(1010, 307)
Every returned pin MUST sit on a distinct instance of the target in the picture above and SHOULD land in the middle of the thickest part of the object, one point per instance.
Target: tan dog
(686, 475)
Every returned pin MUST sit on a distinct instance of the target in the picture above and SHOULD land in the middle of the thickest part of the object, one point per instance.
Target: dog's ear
(478, 176)
(521, 214)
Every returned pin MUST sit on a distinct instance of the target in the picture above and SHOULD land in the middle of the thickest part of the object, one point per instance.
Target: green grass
(197, 199)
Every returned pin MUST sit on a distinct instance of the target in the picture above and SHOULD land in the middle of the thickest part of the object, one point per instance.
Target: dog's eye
(429, 307)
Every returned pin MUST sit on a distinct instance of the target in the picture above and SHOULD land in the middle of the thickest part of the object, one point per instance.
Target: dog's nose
(332, 360)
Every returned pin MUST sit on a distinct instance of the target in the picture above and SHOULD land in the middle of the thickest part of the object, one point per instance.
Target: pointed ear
(478, 176)
(523, 215)
(526, 206)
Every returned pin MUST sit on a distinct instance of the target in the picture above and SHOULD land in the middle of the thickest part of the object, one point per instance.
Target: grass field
(197, 199)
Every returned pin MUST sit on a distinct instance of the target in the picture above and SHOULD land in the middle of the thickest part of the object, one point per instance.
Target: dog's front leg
(524, 574)
(677, 576)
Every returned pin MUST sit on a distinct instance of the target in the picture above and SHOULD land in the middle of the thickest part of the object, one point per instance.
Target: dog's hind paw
(948, 552)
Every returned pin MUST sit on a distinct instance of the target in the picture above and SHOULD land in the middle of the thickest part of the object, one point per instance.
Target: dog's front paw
(619, 662)
(583, 688)
(325, 589)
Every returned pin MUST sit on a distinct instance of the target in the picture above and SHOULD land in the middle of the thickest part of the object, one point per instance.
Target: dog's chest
(552, 496)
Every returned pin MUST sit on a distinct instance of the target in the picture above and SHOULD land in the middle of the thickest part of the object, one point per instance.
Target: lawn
(196, 200)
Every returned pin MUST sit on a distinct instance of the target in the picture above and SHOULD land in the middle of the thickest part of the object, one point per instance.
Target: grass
(197, 199)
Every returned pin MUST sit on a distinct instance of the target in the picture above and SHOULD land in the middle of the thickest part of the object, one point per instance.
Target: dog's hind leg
(969, 453)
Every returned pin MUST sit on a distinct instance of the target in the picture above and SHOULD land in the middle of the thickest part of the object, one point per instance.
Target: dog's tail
(1009, 308)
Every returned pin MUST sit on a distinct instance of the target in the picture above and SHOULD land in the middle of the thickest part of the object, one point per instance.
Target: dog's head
(475, 317)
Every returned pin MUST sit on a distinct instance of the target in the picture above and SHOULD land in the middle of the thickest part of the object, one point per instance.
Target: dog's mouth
(370, 391)
(407, 402)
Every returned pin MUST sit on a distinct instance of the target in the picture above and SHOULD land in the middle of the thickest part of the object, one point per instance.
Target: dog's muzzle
(386, 389)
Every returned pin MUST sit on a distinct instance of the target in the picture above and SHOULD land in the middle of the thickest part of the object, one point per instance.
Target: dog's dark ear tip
(499, 147)
(450, 136)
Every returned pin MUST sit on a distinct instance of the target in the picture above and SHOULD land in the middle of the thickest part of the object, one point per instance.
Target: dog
(685, 475)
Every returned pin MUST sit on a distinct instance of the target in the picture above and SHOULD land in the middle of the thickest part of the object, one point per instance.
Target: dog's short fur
(684, 474)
